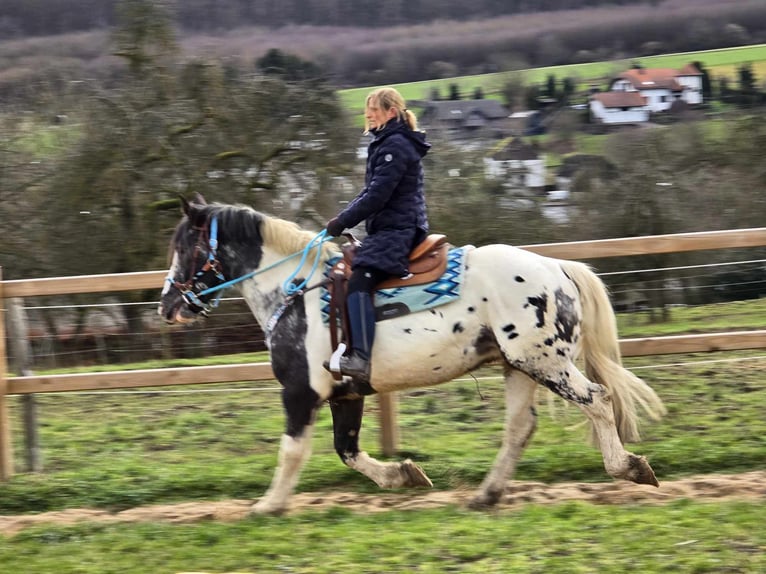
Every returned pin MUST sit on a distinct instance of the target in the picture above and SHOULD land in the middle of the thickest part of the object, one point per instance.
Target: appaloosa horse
(533, 314)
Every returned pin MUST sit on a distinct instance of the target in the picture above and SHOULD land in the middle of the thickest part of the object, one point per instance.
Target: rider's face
(377, 116)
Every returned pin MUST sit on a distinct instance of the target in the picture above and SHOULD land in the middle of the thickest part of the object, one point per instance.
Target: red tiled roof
(689, 70)
(652, 78)
(620, 99)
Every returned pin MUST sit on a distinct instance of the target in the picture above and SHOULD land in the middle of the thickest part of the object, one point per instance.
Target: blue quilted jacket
(392, 203)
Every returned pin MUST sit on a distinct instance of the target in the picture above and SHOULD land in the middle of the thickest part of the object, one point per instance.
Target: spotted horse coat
(534, 315)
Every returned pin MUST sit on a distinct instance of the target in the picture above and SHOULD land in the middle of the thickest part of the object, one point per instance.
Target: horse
(537, 316)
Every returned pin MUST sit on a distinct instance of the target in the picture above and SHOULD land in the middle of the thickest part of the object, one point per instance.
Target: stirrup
(333, 365)
(355, 366)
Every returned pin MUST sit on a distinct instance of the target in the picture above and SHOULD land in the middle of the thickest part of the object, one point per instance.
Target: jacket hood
(418, 139)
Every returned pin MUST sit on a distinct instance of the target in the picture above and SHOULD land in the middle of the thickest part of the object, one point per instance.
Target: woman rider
(392, 205)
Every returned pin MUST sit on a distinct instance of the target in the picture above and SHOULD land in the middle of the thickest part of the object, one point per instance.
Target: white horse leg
(520, 424)
(293, 452)
(347, 421)
(594, 400)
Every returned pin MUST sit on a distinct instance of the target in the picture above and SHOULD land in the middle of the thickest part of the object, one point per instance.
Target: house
(465, 118)
(518, 164)
(619, 107)
(638, 92)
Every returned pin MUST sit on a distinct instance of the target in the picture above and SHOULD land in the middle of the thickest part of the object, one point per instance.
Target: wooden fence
(27, 385)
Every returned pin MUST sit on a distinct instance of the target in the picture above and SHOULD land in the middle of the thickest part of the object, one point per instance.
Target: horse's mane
(283, 236)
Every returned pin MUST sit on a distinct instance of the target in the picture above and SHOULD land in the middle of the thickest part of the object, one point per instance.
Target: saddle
(427, 262)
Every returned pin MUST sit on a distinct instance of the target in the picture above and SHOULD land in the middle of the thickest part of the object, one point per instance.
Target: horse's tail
(601, 353)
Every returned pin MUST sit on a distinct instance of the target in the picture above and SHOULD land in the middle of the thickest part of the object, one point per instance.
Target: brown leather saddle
(427, 262)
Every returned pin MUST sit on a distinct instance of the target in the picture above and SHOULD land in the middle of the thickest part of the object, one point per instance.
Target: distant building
(465, 118)
(636, 93)
(519, 165)
(619, 107)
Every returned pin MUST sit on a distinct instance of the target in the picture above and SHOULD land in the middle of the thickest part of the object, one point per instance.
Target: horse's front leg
(347, 420)
(300, 407)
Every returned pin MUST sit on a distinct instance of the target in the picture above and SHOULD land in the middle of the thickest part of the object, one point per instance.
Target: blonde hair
(390, 98)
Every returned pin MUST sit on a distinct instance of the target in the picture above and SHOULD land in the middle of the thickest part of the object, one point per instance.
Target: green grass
(117, 451)
(571, 537)
(722, 62)
(730, 316)
(121, 449)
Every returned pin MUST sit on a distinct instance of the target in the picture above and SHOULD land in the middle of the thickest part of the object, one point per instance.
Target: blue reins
(288, 288)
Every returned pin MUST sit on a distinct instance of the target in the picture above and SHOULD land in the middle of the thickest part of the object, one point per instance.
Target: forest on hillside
(45, 17)
(351, 56)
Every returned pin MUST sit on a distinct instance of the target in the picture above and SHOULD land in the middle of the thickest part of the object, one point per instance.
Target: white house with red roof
(637, 92)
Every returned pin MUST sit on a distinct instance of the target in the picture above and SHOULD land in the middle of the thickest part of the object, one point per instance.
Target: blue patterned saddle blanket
(398, 301)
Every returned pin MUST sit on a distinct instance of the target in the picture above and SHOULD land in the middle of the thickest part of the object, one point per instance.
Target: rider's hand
(334, 227)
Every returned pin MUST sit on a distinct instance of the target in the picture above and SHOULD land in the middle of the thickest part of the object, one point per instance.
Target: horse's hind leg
(594, 400)
(520, 424)
(347, 420)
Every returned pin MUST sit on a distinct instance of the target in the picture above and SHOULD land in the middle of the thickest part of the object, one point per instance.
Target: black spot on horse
(485, 343)
(408, 331)
(566, 317)
(519, 279)
(484, 299)
(510, 328)
(549, 341)
(540, 304)
(458, 328)
(471, 309)
(561, 353)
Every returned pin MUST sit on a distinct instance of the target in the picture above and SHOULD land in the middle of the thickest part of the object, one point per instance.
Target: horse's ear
(185, 206)
(198, 199)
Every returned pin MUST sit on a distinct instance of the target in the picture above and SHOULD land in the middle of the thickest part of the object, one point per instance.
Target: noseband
(195, 289)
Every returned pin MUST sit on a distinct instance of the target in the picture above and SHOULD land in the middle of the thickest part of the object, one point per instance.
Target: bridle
(202, 283)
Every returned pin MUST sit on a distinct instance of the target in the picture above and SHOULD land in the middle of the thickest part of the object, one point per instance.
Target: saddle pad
(398, 301)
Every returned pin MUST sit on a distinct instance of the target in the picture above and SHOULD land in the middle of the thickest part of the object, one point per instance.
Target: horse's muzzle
(177, 313)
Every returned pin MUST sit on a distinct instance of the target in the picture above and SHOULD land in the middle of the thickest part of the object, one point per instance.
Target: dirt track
(746, 486)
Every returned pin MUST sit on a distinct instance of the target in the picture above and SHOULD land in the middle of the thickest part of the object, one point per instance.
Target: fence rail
(27, 385)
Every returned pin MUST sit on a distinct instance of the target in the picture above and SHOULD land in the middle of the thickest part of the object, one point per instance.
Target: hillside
(361, 56)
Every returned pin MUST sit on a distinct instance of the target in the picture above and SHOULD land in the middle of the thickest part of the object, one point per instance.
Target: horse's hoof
(415, 476)
(640, 472)
(265, 507)
(484, 500)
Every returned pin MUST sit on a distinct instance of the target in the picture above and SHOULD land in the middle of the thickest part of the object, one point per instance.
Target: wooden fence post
(6, 452)
(18, 338)
(389, 431)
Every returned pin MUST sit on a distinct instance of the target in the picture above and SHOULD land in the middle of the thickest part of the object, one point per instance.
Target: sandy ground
(745, 486)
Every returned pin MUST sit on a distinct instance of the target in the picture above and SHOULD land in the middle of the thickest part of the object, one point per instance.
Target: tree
(707, 88)
(288, 66)
(144, 36)
(748, 92)
(171, 130)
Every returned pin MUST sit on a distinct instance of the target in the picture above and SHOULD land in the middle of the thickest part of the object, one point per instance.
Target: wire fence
(97, 331)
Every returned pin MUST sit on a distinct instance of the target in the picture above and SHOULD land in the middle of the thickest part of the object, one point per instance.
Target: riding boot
(361, 318)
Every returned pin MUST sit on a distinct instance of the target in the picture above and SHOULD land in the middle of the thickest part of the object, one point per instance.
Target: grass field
(117, 451)
(683, 537)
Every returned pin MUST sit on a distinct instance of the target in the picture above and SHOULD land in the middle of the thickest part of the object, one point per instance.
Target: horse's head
(195, 269)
